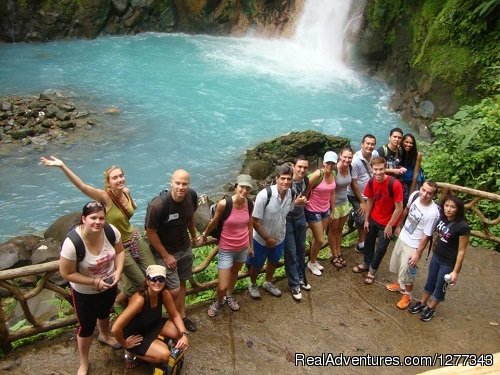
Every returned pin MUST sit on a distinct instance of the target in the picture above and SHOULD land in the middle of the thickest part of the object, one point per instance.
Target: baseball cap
(330, 156)
(156, 270)
(244, 180)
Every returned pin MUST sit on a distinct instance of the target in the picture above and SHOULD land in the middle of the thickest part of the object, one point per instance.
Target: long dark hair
(458, 202)
(409, 157)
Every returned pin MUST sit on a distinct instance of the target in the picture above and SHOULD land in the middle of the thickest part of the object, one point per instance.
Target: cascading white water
(321, 30)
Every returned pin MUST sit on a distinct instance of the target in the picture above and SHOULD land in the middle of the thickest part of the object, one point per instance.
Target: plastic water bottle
(447, 279)
(412, 270)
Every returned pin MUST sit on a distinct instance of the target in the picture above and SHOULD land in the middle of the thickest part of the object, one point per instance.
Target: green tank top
(116, 217)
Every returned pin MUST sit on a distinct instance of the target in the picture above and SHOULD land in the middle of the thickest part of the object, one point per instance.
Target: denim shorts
(314, 217)
(226, 258)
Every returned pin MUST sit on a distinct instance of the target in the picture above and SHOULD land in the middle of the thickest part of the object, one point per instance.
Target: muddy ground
(339, 315)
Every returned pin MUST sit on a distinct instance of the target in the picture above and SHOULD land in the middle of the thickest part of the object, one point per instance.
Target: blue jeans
(295, 251)
(435, 279)
(375, 246)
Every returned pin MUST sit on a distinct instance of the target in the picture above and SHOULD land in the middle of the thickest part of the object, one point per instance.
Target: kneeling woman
(92, 261)
(138, 326)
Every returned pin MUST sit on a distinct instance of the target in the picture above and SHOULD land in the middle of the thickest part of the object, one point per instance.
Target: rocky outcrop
(47, 20)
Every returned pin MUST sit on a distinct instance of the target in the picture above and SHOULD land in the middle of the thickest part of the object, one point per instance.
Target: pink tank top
(319, 200)
(234, 235)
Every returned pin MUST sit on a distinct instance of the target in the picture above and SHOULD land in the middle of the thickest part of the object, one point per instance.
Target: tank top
(319, 200)
(116, 217)
(234, 235)
(342, 182)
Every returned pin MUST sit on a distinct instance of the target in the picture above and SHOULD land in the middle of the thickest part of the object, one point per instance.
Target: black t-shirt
(448, 239)
(393, 158)
(171, 223)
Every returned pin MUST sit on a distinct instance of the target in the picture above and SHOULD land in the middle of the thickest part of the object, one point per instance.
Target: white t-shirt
(421, 220)
(101, 265)
(273, 217)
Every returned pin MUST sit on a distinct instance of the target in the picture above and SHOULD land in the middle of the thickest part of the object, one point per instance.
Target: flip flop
(130, 360)
(360, 268)
(369, 279)
(116, 345)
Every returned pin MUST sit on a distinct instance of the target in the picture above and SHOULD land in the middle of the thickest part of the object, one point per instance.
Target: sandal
(360, 268)
(369, 279)
(336, 262)
(342, 260)
(130, 360)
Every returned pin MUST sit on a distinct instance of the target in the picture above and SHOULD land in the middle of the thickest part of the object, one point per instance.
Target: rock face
(22, 20)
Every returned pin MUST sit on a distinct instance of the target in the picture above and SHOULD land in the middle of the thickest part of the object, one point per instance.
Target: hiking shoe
(404, 302)
(417, 307)
(232, 303)
(190, 325)
(271, 288)
(253, 289)
(314, 269)
(359, 249)
(394, 287)
(427, 314)
(319, 266)
(305, 286)
(297, 296)
(214, 308)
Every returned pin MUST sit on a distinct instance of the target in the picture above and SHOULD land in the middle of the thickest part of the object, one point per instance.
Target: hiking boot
(232, 303)
(427, 314)
(190, 325)
(359, 249)
(404, 302)
(297, 296)
(319, 266)
(314, 269)
(305, 286)
(271, 288)
(214, 308)
(253, 289)
(394, 287)
(417, 307)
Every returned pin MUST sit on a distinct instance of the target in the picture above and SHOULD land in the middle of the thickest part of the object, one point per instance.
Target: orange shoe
(404, 302)
(393, 287)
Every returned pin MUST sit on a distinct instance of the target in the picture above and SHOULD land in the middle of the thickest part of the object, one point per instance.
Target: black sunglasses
(157, 279)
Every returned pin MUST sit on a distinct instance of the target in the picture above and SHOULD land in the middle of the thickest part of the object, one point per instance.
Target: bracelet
(185, 333)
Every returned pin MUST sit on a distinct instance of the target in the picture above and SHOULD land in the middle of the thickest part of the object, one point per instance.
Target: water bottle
(447, 279)
(412, 270)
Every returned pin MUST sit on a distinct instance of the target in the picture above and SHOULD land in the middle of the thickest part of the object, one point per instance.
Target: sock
(361, 244)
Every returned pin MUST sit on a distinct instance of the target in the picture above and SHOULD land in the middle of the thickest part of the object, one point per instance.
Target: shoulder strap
(269, 194)
(194, 197)
(384, 147)
(306, 182)
(110, 233)
(227, 209)
(391, 188)
(80, 246)
(119, 204)
(368, 170)
(250, 206)
(413, 199)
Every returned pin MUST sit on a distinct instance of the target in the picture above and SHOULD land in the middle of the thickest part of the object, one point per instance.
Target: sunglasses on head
(157, 279)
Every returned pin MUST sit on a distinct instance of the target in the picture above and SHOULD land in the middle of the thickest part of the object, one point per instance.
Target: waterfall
(321, 29)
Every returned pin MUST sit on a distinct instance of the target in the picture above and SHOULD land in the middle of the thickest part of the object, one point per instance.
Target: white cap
(330, 156)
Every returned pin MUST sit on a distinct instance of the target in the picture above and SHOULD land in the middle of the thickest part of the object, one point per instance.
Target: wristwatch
(185, 333)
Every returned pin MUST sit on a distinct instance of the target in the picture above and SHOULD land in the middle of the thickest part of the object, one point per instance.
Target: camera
(109, 280)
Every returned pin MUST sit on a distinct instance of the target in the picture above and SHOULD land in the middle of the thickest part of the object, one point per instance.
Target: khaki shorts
(342, 210)
(399, 262)
(183, 271)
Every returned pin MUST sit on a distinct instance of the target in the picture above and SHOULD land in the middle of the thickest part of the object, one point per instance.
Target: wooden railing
(43, 272)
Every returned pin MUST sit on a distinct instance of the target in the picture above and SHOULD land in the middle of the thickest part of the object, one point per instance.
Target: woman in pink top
(320, 206)
(235, 241)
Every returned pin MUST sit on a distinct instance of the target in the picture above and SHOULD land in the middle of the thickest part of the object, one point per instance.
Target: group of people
(385, 189)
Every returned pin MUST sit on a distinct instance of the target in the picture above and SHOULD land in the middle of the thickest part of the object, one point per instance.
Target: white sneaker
(305, 286)
(320, 267)
(271, 288)
(314, 269)
(296, 294)
(253, 289)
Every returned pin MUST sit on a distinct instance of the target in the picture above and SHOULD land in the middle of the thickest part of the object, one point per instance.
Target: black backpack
(80, 246)
(164, 198)
(216, 232)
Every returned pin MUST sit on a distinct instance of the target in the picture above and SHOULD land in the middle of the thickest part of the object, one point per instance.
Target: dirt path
(339, 315)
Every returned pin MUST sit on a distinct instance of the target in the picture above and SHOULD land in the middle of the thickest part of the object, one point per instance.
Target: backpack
(391, 182)
(321, 175)
(399, 154)
(164, 198)
(270, 193)
(216, 232)
(80, 246)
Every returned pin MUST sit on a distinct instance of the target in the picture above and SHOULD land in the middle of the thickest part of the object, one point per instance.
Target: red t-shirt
(383, 204)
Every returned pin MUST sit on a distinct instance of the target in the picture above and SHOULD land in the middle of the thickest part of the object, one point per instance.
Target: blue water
(196, 102)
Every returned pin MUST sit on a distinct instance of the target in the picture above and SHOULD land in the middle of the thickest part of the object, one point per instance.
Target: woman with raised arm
(139, 327)
(119, 207)
(453, 237)
(319, 209)
(92, 261)
(412, 161)
(235, 241)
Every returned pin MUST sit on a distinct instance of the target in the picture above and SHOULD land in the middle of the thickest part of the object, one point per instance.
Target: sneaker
(253, 289)
(359, 249)
(427, 314)
(297, 296)
(271, 288)
(404, 302)
(305, 286)
(394, 287)
(314, 269)
(190, 325)
(214, 308)
(319, 266)
(232, 302)
(417, 307)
